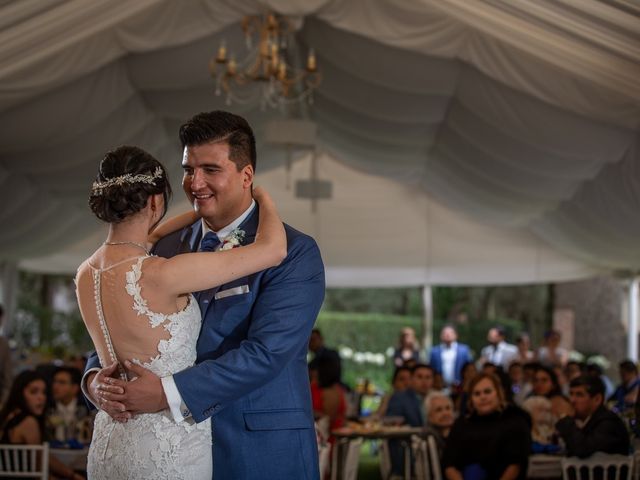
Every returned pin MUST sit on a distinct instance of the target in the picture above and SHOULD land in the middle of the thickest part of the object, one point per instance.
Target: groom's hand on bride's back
(143, 394)
(102, 381)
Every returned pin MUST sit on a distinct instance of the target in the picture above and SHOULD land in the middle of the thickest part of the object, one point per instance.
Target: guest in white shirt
(523, 343)
(551, 354)
(498, 352)
(68, 416)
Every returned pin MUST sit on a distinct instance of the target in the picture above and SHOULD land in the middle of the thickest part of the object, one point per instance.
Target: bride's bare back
(126, 313)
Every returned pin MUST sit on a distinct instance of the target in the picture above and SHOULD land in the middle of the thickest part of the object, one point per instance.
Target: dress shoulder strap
(139, 303)
(104, 269)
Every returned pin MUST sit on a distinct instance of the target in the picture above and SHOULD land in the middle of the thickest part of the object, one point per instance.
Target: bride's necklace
(135, 244)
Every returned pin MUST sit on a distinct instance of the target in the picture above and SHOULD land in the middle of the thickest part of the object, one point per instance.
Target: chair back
(385, 459)
(434, 458)
(24, 461)
(427, 460)
(352, 459)
(421, 458)
(324, 452)
(598, 466)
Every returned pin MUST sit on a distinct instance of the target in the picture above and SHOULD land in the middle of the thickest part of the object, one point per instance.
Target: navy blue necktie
(209, 244)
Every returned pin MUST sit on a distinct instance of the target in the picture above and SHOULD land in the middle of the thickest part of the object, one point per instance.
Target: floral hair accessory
(98, 187)
(234, 239)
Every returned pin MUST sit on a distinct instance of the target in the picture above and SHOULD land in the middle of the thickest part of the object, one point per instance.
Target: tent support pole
(9, 280)
(634, 314)
(427, 318)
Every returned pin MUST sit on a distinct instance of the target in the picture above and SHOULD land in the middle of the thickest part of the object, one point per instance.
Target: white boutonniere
(234, 239)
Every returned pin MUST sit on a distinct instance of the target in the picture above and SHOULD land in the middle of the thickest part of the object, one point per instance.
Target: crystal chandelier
(271, 63)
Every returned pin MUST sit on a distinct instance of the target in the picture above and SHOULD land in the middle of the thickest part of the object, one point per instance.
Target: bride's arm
(171, 225)
(193, 272)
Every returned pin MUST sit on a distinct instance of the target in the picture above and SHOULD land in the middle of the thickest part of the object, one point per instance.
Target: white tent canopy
(468, 142)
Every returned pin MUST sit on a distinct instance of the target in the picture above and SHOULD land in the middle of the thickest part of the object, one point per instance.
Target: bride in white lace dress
(137, 306)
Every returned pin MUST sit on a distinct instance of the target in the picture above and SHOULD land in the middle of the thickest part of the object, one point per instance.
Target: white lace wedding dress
(149, 446)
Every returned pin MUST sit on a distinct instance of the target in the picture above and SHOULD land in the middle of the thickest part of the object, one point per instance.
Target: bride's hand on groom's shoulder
(260, 194)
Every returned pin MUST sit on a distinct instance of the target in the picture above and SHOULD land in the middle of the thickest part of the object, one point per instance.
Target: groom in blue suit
(251, 373)
(449, 357)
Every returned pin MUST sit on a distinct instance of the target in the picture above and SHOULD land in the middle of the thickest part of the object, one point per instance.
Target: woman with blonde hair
(407, 350)
(493, 441)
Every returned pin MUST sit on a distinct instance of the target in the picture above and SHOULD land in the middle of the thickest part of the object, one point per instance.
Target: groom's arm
(283, 315)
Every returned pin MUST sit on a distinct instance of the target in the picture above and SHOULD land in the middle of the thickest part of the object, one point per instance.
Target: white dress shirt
(448, 357)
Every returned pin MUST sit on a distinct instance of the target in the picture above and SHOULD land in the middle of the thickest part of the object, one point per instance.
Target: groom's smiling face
(218, 191)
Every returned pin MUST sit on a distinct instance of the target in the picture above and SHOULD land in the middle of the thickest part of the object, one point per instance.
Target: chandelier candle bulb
(222, 53)
(231, 66)
(311, 61)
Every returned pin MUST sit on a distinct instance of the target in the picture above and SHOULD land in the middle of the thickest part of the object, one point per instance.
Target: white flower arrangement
(233, 240)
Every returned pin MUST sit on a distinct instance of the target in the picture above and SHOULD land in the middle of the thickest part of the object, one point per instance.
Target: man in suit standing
(593, 428)
(449, 357)
(251, 374)
(498, 352)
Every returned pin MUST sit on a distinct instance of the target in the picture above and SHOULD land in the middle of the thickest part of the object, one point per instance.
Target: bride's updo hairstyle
(126, 178)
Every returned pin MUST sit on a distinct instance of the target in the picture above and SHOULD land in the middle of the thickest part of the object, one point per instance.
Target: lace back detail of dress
(150, 445)
(178, 351)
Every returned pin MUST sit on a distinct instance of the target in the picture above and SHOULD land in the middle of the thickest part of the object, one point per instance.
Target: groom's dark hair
(220, 126)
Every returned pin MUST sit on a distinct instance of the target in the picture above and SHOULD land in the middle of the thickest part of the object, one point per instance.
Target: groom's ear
(247, 176)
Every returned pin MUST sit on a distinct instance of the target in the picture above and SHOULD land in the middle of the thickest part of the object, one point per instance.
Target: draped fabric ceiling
(467, 142)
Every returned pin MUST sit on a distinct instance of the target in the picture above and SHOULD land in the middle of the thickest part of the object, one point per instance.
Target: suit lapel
(191, 238)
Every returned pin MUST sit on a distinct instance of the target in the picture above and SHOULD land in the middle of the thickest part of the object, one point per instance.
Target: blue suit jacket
(251, 373)
(463, 355)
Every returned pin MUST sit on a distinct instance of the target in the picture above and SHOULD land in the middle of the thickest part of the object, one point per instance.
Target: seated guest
(410, 405)
(22, 418)
(551, 354)
(523, 344)
(545, 383)
(625, 395)
(399, 383)
(320, 351)
(493, 441)
(438, 409)
(562, 380)
(574, 369)
(68, 414)
(461, 393)
(593, 428)
(329, 397)
(542, 422)
(595, 370)
(525, 387)
(516, 375)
